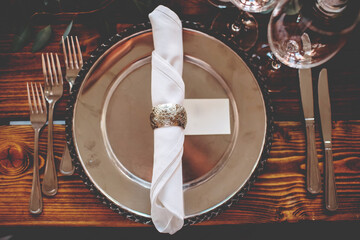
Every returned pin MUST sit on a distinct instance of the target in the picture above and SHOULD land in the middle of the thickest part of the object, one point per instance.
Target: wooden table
(279, 194)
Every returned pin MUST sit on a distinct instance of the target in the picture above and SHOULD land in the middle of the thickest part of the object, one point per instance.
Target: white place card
(207, 116)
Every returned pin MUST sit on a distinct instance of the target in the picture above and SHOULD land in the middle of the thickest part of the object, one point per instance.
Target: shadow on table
(278, 231)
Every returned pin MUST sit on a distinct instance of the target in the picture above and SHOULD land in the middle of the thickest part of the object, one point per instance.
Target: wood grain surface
(279, 193)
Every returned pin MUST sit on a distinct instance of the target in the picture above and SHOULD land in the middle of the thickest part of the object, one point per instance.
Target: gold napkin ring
(168, 114)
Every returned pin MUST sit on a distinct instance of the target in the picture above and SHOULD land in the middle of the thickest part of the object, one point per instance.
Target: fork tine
(64, 50)
(79, 51)
(59, 69)
(49, 69)
(38, 98)
(74, 53)
(34, 98)
(29, 98)
(54, 68)
(44, 69)
(69, 51)
(43, 98)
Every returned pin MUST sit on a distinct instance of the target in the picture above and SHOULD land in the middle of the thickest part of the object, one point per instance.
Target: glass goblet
(307, 33)
(239, 23)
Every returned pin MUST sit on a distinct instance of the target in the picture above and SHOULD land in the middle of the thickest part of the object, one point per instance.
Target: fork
(53, 92)
(73, 62)
(38, 117)
(73, 59)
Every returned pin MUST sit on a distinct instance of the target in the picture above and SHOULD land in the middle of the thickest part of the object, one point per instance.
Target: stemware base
(239, 26)
(221, 4)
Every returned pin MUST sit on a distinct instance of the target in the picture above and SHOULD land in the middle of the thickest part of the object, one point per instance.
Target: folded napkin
(167, 86)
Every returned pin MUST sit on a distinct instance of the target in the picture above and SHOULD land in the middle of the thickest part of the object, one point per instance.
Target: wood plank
(278, 195)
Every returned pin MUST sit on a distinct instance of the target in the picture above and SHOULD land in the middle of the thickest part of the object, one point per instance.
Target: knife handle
(331, 202)
(312, 171)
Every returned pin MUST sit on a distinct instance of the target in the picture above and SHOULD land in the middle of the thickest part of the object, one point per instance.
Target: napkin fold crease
(167, 86)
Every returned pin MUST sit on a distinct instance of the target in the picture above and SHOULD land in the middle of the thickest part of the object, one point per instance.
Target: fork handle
(71, 81)
(66, 166)
(35, 206)
(50, 185)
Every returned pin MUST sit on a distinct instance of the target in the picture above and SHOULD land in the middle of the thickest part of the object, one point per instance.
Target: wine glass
(241, 26)
(254, 6)
(307, 33)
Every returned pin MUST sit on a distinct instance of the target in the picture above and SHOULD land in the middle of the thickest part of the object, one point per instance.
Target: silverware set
(73, 63)
(331, 202)
(53, 92)
(37, 98)
(313, 183)
(313, 178)
(38, 117)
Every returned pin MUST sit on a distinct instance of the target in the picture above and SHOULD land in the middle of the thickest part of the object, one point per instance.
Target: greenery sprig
(55, 8)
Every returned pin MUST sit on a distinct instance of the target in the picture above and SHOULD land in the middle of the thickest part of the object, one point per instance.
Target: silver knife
(325, 116)
(312, 169)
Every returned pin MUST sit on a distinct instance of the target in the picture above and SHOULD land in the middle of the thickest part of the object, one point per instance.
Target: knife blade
(331, 202)
(313, 181)
(324, 105)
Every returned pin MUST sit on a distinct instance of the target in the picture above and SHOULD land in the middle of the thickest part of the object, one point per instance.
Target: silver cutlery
(38, 117)
(331, 202)
(53, 92)
(73, 63)
(73, 58)
(312, 168)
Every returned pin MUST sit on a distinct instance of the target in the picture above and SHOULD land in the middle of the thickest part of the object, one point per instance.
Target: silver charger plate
(111, 141)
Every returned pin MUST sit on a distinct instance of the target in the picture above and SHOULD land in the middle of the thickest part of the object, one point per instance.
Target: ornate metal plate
(111, 140)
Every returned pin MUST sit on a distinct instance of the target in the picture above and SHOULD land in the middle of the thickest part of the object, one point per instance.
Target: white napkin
(167, 86)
